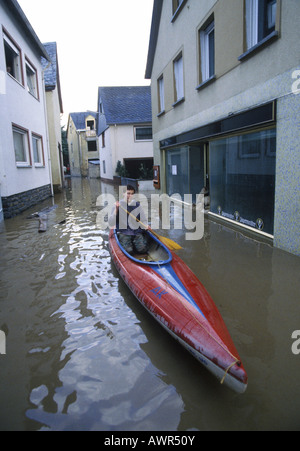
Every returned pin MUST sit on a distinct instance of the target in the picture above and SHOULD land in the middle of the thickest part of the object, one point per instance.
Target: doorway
(187, 170)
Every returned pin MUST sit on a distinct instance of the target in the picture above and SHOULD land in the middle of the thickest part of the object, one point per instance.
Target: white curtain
(20, 151)
(252, 22)
(161, 94)
(178, 72)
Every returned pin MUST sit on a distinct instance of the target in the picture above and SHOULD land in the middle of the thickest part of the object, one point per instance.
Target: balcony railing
(91, 133)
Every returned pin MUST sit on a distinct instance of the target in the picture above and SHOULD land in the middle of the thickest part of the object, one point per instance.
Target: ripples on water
(84, 367)
(82, 354)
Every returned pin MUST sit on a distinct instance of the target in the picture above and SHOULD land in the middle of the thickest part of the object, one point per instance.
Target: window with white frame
(260, 20)
(13, 59)
(207, 48)
(31, 77)
(21, 146)
(37, 148)
(143, 133)
(178, 78)
(161, 94)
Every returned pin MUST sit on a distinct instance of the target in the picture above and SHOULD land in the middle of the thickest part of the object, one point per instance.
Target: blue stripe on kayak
(168, 273)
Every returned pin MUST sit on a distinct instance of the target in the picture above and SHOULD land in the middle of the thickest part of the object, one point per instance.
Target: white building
(25, 172)
(124, 130)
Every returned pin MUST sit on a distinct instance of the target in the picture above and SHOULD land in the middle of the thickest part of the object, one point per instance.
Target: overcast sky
(100, 43)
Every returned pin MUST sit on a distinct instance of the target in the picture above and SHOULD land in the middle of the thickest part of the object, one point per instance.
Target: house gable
(123, 105)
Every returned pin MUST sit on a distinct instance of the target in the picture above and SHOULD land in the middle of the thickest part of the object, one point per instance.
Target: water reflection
(82, 354)
(86, 367)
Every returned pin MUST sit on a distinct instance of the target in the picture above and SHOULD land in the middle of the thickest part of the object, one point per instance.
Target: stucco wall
(18, 106)
(240, 85)
(53, 115)
(287, 206)
(119, 144)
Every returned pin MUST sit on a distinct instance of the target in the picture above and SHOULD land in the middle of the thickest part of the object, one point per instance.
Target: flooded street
(83, 354)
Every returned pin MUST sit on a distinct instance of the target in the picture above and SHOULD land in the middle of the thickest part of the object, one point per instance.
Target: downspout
(79, 151)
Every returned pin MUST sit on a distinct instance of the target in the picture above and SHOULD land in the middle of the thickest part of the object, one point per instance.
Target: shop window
(186, 170)
(242, 179)
(178, 171)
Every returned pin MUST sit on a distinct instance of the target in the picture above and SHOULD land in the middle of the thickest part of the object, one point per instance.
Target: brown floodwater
(83, 354)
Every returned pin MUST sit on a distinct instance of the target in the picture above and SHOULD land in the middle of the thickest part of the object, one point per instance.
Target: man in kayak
(130, 220)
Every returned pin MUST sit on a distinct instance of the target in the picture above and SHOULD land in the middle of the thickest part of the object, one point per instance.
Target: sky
(99, 43)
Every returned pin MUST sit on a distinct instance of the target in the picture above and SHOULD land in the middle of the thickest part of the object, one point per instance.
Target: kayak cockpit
(158, 253)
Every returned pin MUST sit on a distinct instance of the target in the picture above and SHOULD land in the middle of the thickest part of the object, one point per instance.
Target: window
(92, 146)
(103, 139)
(38, 153)
(90, 125)
(242, 178)
(260, 20)
(178, 79)
(21, 146)
(104, 166)
(161, 95)
(143, 134)
(13, 59)
(176, 7)
(177, 172)
(207, 48)
(31, 76)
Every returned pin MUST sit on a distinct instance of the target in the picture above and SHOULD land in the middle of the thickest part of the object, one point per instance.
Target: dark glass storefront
(242, 179)
(238, 169)
(186, 170)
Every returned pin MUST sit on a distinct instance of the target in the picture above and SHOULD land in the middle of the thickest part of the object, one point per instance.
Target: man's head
(129, 193)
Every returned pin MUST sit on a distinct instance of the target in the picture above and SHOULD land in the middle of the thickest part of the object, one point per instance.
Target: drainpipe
(79, 151)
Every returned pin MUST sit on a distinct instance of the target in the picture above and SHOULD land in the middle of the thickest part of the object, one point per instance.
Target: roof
(157, 9)
(124, 105)
(51, 71)
(19, 15)
(79, 119)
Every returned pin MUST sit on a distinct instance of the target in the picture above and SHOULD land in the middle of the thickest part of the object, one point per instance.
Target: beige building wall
(79, 155)
(233, 77)
(86, 154)
(74, 147)
(242, 81)
(55, 141)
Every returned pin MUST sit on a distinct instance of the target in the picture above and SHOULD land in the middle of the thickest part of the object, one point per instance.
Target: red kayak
(171, 292)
